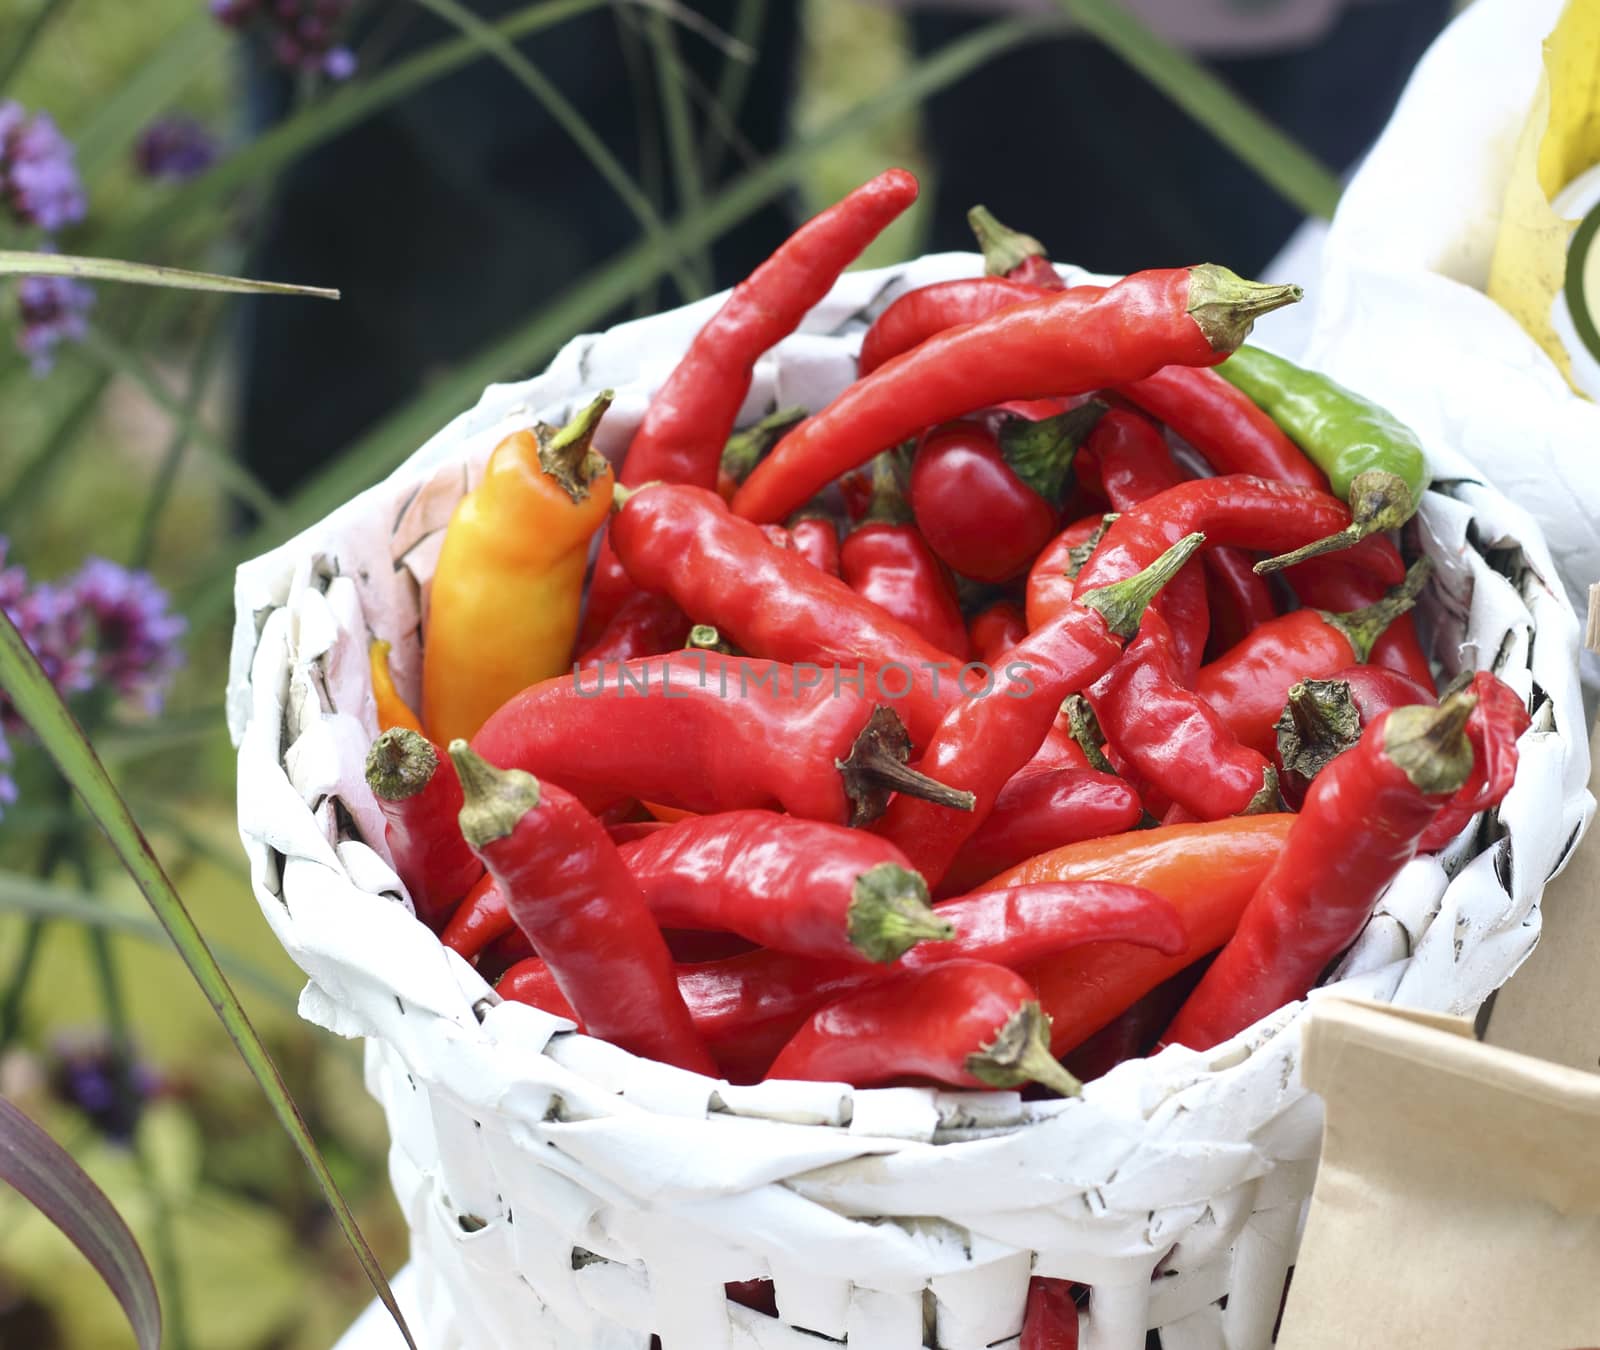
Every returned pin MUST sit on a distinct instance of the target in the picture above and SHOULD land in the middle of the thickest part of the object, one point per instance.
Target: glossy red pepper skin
(1055, 346)
(480, 918)
(644, 625)
(891, 566)
(1208, 872)
(1361, 823)
(1052, 580)
(915, 1024)
(694, 730)
(974, 511)
(772, 603)
(1334, 584)
(1240, 600)
(1050, 1317)
(996, 629)
(816, 539)
(929, 310)
(692, 415)
(532, 982)
(1040, 810)
(416, 788)
(1493, 727)
(1172, 736)
(792, 885)
(569, 892)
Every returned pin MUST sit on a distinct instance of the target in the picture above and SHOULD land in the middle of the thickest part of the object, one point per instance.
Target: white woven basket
(561, 1193)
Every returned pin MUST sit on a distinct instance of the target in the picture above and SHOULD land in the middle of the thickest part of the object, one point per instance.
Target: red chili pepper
(568, 890)
(1038, 810)
(480, 918)
(962, 1022)
(1248, 686)
(1493, 727)
(692, 415)
(816, 539)
(1208, 872)
(929, 310)
(987, 737)
(1012, 254)
(1052, 580)
(532, 982)
(419, 795)
(1324, 718)
(1238, 597)
(684, 542)
(1051, 347)
(626, 831)
(996, 629)
(885, 560)
(644, 625)
(1333, 583)
(1133, 1033)
(704, 732)
(1050, 1317)
(793, 885)
(1361, 823)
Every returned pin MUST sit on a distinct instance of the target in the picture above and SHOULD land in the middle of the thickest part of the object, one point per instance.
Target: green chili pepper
(1372, 459)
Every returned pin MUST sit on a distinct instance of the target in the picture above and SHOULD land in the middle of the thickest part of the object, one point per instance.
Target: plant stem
(733, 84)
(679, 126)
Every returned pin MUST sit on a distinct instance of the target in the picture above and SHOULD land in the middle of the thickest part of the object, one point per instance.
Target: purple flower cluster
(89, 1074)
(174, 148)
(302, 33)
(103, 627)
(38, 178)
(53, 310)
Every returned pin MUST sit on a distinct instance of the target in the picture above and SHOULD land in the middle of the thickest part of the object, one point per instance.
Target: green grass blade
(32, 478)
(16, 263)
(15, 59)
(679, 125)
(36, 700)
(737, 68)
(1287, 167)
(565, 115)
(387, 444)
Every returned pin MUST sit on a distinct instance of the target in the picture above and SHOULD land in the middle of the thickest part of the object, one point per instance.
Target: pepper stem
(888, 504)
(1363, 627)
(400, 764)
(705, 638)
(1225, 306)
(877, 768)
(567, 453)
(1378, 501)
(745, 449)
(495, 800)
(1266, 798)
(1041, 453)
(1319, 722)
(1003, 248)
(1085, 728)
(1079, 554)
(889, 913)
(1430, 746)
(1020, 1053)
(1122, 603)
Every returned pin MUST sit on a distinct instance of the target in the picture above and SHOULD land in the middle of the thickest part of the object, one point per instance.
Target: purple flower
(302, 35)
(174, 148)
(339, 63)
(133, 634)
(8, 785)
(38, 178)
(52, 311)
(50, 624)
(234, 13)
(90, 1074)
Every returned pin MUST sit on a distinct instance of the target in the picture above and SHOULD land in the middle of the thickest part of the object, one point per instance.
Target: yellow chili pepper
(509, 583)
(393, 711)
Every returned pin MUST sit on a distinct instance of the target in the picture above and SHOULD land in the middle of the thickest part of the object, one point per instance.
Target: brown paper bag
(1458, 1199)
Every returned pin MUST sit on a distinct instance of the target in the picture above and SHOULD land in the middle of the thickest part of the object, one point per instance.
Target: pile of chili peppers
(1049, 696)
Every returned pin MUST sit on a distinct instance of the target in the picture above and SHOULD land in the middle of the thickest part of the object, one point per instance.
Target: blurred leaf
(673, 86)
(33, 1164)
(36, 700)
(1289, 168)
(44, 15)
(16, 263)
(610, 286)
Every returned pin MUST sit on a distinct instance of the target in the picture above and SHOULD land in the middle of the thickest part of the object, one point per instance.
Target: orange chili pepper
(393, 711)
(509, 582)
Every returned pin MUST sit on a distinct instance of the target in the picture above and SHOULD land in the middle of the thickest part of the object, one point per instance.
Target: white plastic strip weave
(561, 1193)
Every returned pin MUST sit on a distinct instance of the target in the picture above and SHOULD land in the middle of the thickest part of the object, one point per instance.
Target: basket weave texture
(562, 1193)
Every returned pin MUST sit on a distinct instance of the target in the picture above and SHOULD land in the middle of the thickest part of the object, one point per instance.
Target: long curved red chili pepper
(419, 795)
(929, 310)
(480, 918)
(1039, 810)
(1052, 580)
(1335, 584)
(705, 732)
(967, 1023)
(691, 416)
(1361, 823)
(1238, 597)
(568, 890)
(1248, 685)
(1494, 726)
(684, 542)
(986, 738)
(1054, 346)
(793, 885)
